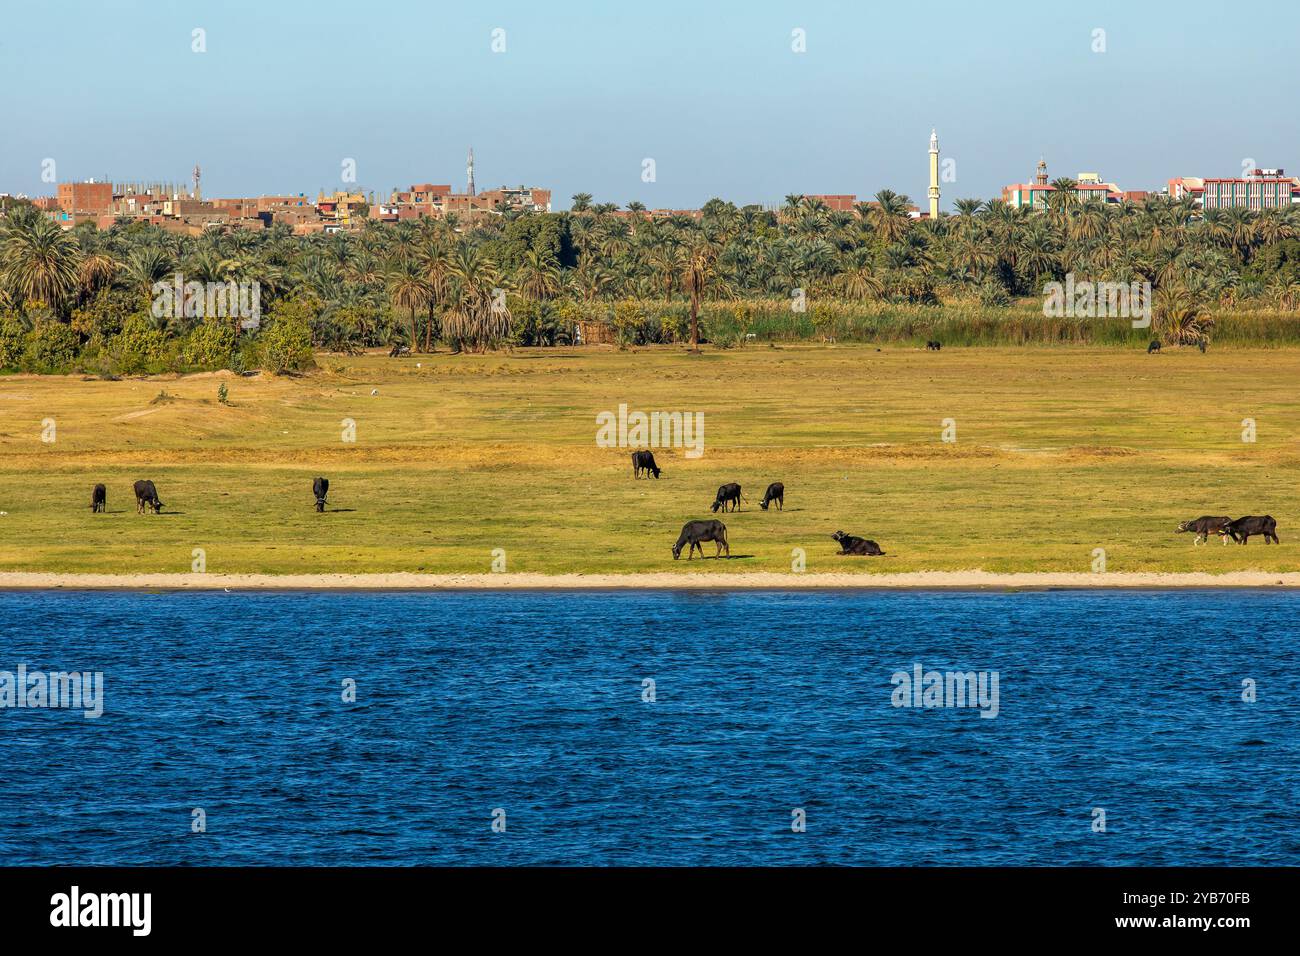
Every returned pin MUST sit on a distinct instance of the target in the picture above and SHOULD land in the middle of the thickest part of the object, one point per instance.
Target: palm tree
(699, 276)
(889, 216)
(973, 257)
(96, 271)
(668, 262)
(1063, 197)
(408, 288)
(477, 314)
(38, 260)
(1036, 255)
(539, 275)
(1179, 318)
(859, 279)
(434, 257)
(1242, 230)
(145, 266)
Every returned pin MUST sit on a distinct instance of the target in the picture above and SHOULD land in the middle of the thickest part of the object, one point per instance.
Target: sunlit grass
(1058, 452)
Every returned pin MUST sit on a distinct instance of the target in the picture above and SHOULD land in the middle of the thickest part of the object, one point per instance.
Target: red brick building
(88, 198)
(838, 203)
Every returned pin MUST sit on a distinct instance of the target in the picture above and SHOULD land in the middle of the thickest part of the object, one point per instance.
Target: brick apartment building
(88, 198)
(428, 199)
(837, 203)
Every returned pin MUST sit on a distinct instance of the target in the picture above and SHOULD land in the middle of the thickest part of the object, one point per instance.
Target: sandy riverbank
(959, 580)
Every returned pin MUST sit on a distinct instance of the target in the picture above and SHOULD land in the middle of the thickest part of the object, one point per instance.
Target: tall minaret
(198, 175)
(469, 169)
(934, 174)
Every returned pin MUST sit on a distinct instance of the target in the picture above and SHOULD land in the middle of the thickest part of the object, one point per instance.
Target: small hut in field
(594, 333)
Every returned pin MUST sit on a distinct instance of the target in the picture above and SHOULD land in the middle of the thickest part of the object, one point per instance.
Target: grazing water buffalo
(644, 461)
(853, 545)
(99, 499)
(933, 346)
(320, 488)
(1241, 529)
(775, 492)
(1205, 526)
(696, 532)
(728, 494)
(1153, 347)
(146, 496)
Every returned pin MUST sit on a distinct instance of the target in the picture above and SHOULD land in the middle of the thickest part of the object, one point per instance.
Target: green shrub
(50, 348)
(140, 347)
(13, 334)
(210, 346)
(285, 344)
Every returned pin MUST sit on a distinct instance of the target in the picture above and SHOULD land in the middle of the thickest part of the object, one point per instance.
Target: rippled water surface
(532, 703)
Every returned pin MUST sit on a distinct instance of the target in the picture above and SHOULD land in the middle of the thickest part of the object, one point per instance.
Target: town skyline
(578, 101)
(104, 202)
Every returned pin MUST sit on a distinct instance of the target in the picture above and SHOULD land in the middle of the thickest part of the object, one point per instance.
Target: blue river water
(534, 710)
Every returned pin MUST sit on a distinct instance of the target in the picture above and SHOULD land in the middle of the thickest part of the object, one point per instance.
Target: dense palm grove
(81, 299)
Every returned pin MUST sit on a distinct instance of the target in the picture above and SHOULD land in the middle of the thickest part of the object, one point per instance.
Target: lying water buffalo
(1204, 526)
(146, 497)
(775, 492)
(854, 545)
(320, 488)
(696, 532)
(1241, 529)
(99, 499)
(727, 494)
(644, 461)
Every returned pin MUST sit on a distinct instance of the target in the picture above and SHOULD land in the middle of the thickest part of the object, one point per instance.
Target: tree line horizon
(79, 298)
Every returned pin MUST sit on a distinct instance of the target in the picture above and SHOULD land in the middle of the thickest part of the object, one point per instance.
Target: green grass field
(1059, 451)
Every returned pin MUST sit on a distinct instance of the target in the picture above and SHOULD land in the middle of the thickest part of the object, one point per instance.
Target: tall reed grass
(736, 322)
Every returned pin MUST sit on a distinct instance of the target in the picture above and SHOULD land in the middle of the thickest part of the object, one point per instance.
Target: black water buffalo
(1241, 529)
(696, 532)
(775, 492)
(644, 461)
(728, 494)
(146, 497)
(320, 488)
(1205, 526)
(933, 346)
(853, 545)
(99, 499)
(1153, 347)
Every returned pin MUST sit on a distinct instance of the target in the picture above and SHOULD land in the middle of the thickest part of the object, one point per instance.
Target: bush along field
(995, 458)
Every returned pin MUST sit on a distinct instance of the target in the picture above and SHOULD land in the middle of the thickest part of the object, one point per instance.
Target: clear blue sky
(710, 89)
